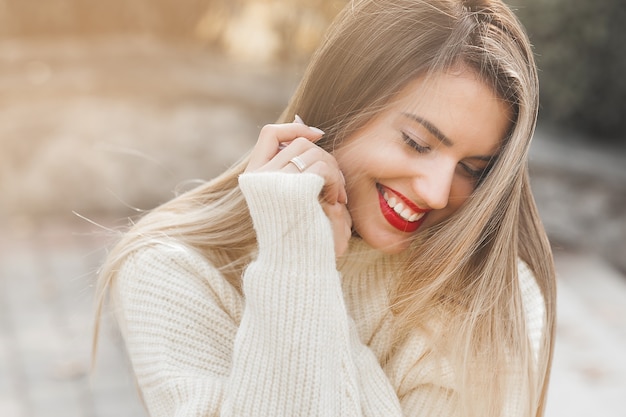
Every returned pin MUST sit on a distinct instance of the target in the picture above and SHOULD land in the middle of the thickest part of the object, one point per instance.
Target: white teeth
(416, 217)
(404, 212)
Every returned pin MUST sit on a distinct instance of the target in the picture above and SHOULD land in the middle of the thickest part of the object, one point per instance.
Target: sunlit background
(108, 108)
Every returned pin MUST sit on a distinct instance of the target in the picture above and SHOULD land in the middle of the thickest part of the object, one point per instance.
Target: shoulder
(163, 260)
(178, 317)
(167, 273)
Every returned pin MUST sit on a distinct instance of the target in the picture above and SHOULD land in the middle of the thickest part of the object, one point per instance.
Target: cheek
(460, 191)
(345, 158)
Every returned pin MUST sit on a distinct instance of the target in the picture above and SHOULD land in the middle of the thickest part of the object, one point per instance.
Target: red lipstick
(394, 218)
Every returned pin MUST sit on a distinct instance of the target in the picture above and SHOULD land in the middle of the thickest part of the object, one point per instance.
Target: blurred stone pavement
(103, 130)
(46, 312)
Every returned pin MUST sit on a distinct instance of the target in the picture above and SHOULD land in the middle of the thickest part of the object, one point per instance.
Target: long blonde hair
(468, 264)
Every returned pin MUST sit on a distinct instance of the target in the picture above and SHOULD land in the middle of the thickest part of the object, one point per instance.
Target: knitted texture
(309, 337)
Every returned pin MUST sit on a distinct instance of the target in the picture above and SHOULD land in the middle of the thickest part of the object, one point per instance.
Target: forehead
(460, 105)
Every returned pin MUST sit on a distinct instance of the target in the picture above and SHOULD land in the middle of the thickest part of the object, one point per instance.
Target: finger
(334, 181)
(341, 225)
(304, 156)
(334, 190)
(339, 212)
(271, 136)
(297, 119)
(300, 147)
(347, 224)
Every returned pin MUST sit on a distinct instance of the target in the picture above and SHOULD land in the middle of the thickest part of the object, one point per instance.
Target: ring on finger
(298, 163)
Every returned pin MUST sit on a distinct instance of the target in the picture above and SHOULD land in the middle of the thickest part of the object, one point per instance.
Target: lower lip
(394, 218)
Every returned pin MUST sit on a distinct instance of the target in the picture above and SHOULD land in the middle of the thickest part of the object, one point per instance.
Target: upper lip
(406, 201)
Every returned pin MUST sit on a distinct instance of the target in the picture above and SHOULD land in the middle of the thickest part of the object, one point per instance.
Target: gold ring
(299, 163)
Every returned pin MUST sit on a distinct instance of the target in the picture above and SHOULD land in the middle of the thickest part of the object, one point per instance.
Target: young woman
(390, 264)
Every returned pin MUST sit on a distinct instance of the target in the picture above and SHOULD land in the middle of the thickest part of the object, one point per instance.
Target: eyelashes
(414, 144)
(466, 170)
(473, 173)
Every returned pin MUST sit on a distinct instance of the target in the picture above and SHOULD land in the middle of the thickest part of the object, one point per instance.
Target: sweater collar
(360, 256)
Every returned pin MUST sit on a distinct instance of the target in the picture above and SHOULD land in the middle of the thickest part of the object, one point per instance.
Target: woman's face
(417, 162)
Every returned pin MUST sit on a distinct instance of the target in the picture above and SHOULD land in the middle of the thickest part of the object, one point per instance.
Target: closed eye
(414, 144)
(476, 175)
(471, 172)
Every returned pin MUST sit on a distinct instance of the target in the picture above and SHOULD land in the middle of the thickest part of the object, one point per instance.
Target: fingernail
(299, 120)
(316, 130)
(342, 177)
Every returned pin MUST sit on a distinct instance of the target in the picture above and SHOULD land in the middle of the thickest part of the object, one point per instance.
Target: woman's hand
(291, 148)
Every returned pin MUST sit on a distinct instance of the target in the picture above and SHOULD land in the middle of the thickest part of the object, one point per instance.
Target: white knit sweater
(304, 340)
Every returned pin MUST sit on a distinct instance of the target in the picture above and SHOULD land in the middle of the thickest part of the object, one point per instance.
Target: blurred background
(108, 108)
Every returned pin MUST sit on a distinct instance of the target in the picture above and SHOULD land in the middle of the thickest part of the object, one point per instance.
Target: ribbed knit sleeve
(179, 318)
(286, 348)
(296, 353)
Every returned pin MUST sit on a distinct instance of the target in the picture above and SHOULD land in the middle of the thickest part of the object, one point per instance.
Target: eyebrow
(431, 128)
(434, 130)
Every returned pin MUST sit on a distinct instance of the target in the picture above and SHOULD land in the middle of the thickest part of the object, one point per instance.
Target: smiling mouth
(398, 211)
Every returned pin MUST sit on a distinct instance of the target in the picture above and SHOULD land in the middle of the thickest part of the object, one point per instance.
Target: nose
(434, 185)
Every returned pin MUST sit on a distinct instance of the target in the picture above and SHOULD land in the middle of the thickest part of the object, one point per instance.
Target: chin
(387, 245)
